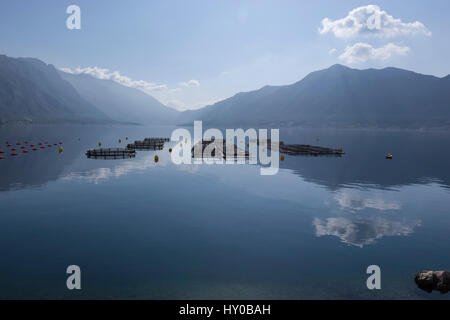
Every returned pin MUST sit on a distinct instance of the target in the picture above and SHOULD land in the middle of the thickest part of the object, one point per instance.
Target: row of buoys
(33, 146)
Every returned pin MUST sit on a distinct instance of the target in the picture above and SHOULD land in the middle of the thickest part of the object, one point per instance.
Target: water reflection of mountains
(416, 161)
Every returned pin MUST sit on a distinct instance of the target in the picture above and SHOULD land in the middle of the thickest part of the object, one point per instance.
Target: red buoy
(18, 143)
(31, 145)
(49, 145)
(22, 147)
(1, 151)
(25, 151)
(35, 149)
(55, 144)
(13, 149)
(1, 158)
(9, 145)
(14, 154)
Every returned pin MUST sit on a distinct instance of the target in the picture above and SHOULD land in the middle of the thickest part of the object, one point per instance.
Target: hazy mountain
(339, 96)
(119, 102)
(31, 90)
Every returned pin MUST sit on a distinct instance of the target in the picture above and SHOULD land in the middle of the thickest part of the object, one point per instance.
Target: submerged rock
(433, 280)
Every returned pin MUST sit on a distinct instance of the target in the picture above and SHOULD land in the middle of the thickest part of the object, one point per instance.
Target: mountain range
(339, 97)
(31, 90)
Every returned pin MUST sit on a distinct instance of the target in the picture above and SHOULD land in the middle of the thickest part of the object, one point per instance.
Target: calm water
(160, 231)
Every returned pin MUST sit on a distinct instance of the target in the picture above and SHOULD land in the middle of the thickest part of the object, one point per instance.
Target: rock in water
(433, 280)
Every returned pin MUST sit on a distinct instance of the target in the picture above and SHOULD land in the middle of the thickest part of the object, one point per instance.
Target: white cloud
(190, 83)
(106, 74)
(332, 51)
(361, 52)
(371, 21)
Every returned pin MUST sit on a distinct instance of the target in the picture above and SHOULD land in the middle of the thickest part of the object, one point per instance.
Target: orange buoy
(60, 150)
(282, 157)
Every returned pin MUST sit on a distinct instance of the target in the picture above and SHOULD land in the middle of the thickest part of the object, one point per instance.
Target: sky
(189, 54)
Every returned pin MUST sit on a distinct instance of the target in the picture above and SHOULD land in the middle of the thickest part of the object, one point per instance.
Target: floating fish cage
(306, 149)
(148, 144)
(218, 149)
(111, 153)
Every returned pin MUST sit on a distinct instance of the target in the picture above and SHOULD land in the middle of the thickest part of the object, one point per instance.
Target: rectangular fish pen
(148, 144)
(111, 153)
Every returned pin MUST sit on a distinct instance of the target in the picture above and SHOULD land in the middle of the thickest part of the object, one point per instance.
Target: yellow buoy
(126, 138)
(60, 149)
(156, 158)
(248, 145)
(340, 149)
(120, 141)
(282, 157)
(99, 144)
(170, 149)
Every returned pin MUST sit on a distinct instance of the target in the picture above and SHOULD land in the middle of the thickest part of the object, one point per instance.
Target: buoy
(9, 145)
(42, 147)
(170, 149)
(282, 157)
(35, 149)
(31, 145)
(1, 158)
(22, 147)
(49, 145)
(18, 143)
(13, 149)
(55, 144)
(25, 151)
(14, 154)
(60, 142)
(99, 144)
(40, 143)
(126, 138)
(120, 141)
(156, 158)
(1, 151)
(389, 156)
(340, 149)
(60, 150)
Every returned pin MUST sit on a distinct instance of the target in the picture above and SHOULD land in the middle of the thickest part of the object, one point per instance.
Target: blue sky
(191, 53)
